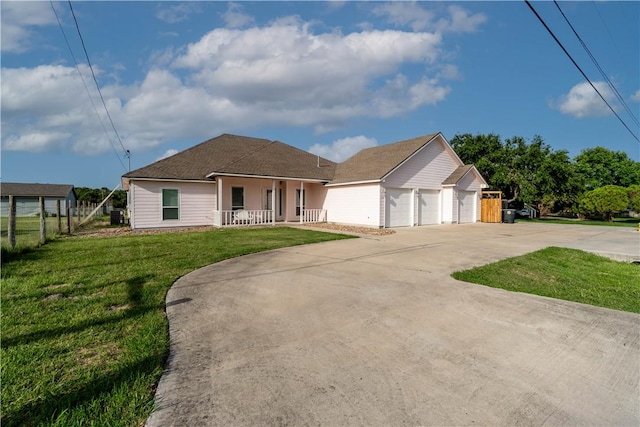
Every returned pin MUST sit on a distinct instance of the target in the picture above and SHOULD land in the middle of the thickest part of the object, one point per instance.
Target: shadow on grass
(134, 295)
(48, 408)
(53, 333)
(27, 253)
(134, 288)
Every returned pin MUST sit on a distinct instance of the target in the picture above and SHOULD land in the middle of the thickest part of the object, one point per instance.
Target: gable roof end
(373, 164)
(462, 171)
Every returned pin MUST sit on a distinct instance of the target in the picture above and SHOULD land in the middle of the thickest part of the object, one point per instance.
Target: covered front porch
(242, 200)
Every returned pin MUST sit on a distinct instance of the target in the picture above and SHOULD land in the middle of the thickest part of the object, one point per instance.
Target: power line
(126, 152)
(579, 69)
(613, 41)
(86, 88)
(595, 62)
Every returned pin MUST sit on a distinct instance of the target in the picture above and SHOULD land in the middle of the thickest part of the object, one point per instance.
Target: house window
(237, 198)
(269, 204)
(170, 204)
(298, 200)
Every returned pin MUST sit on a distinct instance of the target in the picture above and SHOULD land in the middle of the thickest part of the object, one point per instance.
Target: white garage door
(398, 207)
(429, 207)
(467, 204)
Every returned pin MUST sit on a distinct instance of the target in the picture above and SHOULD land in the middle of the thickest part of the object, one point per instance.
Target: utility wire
(606, 27)
(126, 152)
(595, 62)
(86, 88)
(579, 69)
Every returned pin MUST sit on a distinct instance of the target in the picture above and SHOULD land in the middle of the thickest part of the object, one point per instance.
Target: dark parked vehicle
(527, 212)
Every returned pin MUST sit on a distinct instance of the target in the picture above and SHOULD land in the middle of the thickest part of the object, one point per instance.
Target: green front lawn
(567, 274)
(84, 332)
(617, 222)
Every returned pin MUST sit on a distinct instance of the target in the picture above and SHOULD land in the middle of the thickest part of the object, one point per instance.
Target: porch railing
(230, 218)
(242, 217)
(314, 215)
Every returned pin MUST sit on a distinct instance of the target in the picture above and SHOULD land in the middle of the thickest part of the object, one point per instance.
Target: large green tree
(532, 172)
(558, 183)
(634, 197)
(600, 166)
(604, 201)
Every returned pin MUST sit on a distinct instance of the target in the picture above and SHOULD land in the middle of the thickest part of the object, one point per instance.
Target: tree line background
(596, 182)
(97, 195)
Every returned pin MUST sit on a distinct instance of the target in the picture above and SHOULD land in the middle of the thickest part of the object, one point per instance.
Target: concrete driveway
(373, 331)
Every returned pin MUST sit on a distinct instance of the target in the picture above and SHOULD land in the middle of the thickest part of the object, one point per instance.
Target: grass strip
(617, 222)
(567, 274)
(83, 328)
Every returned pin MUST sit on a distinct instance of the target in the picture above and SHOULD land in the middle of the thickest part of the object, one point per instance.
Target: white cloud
(234, 18)
(406, 14)
(449, 72)
(285, 71)
(37, 114)
(178, 13)
(35, 141)
(413, 15)
(282, 74)
(170, 152)
(461, 21)
(336, 4)
(583, 101)
(636, 96)
(342, 149)
(17, 19)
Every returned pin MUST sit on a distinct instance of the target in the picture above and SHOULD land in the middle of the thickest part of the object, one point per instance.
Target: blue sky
(328, 77)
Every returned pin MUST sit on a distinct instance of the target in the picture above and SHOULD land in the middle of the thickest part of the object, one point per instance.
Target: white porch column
(301, 201)
(220, 195)
(273, 202)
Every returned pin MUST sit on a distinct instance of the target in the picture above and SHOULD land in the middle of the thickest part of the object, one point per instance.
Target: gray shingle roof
(376, 162)
(35, 190)
(457, 175)
(233, 154)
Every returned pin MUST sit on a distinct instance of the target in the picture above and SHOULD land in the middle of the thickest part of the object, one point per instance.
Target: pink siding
(449, 208)
(255, 195)
(197, 202)
(426, 169)
(316, 195)
(255, 191)
(382, 207)
(354, 204)
(471, 183)
(291, 187)
(454, 207)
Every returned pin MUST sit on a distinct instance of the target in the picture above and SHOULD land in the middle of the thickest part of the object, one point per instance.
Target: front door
(268, 202)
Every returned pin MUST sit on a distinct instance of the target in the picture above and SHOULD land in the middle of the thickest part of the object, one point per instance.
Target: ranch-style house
(236, 180)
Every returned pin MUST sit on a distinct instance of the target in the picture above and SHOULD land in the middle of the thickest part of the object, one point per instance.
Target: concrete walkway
(374, 331)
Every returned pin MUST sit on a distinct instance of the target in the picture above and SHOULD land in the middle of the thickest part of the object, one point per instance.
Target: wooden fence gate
(491, 206)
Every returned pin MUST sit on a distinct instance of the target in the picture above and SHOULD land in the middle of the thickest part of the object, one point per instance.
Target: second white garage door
(467, 206)
(429, 207)
(397, 207)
